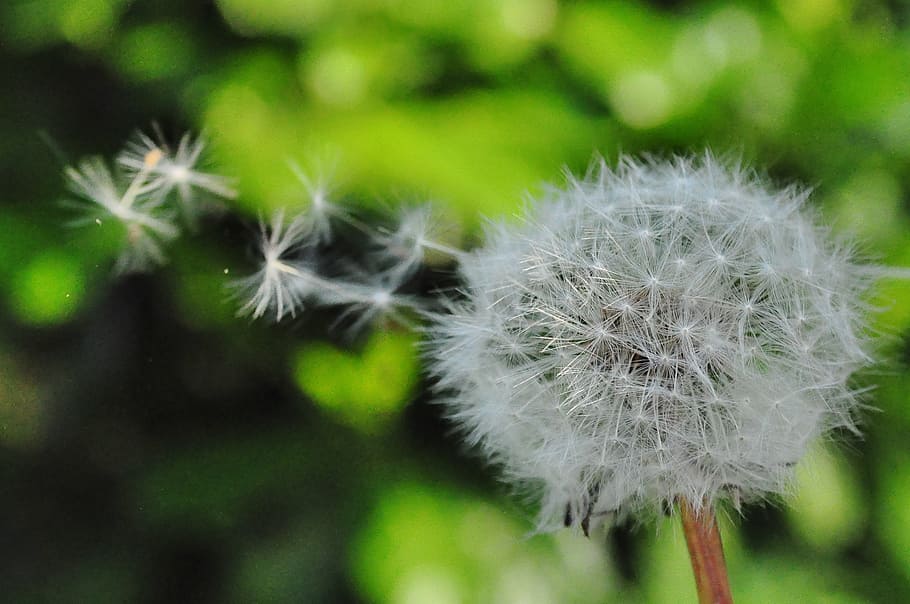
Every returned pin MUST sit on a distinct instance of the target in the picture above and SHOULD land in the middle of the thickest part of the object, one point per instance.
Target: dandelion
(322, 211)
(368, 290)
(138, 198)
(405, 247)
(665, 334)
(176, 171)
(661, 334)
(370, 298)
(288, 278)
(282, 282)
(147, 226)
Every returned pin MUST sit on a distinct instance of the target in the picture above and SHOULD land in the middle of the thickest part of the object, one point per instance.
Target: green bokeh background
(153, 448)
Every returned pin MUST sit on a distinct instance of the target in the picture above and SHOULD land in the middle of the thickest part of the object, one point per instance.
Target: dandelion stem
(707, 554)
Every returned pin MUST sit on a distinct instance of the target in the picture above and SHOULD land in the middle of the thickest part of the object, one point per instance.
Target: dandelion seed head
(147, 227)
(283, 280)
(174, 170)
(321, 210)
(404, 247)
(662, 330)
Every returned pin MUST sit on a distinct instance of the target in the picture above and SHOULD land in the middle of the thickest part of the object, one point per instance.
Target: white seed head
(321, 209)
(663, 330)
(288, 279)
(147, 226)
(406, 244)
(174, 170)
(404, 248)
(283, 280)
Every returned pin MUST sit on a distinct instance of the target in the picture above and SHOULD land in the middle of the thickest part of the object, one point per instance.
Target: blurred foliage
(363, 390)
(424, 544)
(155, 448)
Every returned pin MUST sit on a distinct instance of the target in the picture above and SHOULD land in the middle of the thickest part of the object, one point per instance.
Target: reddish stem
(707, 554)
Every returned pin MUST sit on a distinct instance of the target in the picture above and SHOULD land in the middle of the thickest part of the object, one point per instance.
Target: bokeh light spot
(420, 540)
(690, 60)
(642, 99)
(733, 35)
(529, 19)
(363, 390)
(337, 77)
(808, 15)
(827, 511)
(287, 17)
(48, 290)
(88, 23)
(428, 584)
(871, 187)
(155, 51)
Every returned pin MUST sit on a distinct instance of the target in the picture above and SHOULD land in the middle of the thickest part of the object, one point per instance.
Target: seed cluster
(663, 330)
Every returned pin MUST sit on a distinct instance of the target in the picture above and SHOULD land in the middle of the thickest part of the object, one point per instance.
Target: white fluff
(175, 171)
(283, 281)
(147, 226)
(663, 330)
(138, 197)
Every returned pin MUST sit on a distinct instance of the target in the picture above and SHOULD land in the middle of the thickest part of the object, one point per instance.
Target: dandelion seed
(175, 171)
(147, 226)
(406, 247)
(282, 282)
(321, 210)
